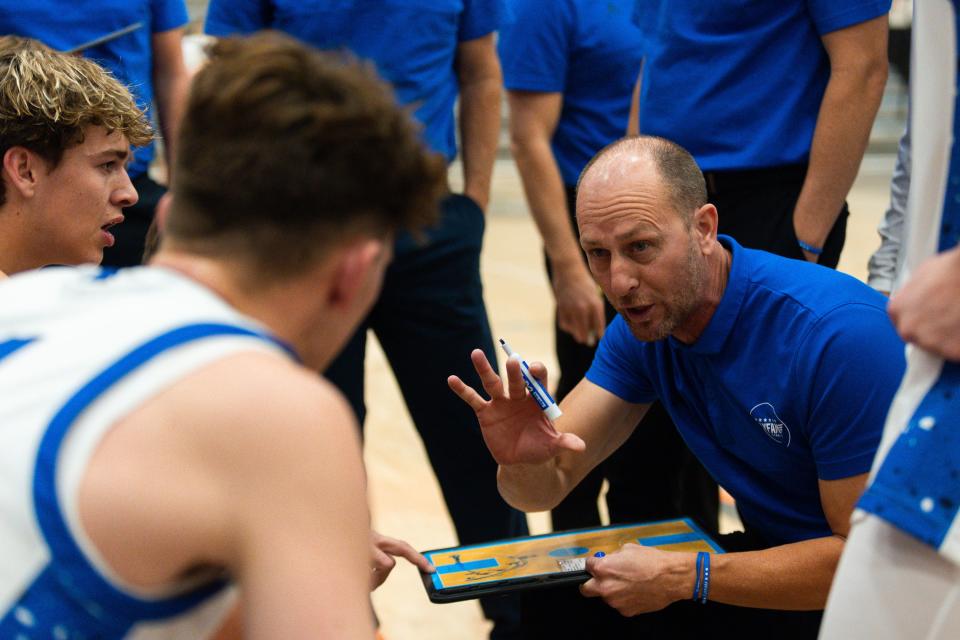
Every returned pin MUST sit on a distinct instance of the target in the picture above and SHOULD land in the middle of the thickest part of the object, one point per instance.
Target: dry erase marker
(547, 404)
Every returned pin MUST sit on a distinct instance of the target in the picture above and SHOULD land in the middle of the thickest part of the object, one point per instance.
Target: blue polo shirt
(739, 83)
(412, 42)
(590, 52)
(65, 24)
(789, 383)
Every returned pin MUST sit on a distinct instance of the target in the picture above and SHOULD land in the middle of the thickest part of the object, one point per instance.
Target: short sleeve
(850, 364)
(535, 48)
(833, 15)
(620, 365)
(167, 14)
(482, 17)
(238, 17)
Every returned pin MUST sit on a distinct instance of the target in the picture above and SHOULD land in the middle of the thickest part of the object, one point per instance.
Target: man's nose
(623, 278)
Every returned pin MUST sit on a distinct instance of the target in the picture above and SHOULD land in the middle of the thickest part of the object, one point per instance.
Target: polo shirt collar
(725, 316)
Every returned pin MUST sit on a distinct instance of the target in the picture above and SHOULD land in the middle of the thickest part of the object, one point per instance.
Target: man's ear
(705, 222)
(21, 168)
(355, 266)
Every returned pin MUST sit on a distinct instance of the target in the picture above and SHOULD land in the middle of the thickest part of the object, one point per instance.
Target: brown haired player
(162, 430)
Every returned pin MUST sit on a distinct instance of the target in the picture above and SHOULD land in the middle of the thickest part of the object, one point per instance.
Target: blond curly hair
(48, 99)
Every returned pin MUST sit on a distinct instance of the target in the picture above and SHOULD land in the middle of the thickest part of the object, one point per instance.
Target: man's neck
(718, 273)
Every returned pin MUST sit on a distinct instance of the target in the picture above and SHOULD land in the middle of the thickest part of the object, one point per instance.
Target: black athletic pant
(756, 208)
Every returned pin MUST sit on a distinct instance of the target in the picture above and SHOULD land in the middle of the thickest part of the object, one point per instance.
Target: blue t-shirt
(739, 83)
(412, 42)
(789, 383)
(588, 51)
(66, 24)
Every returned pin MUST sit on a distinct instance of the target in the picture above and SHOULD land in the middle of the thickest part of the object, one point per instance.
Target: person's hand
(385, 550)
(926, 310)
(579, 304)
(638, 579)
(514, 428)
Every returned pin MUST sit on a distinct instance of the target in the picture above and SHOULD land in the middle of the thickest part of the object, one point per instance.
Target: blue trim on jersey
(10, 346)
(918, 485)
(69, 592)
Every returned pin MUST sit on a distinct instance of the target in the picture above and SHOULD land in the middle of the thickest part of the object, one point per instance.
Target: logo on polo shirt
(766, 416)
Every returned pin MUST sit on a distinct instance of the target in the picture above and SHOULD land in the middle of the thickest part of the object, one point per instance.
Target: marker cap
(553, 412)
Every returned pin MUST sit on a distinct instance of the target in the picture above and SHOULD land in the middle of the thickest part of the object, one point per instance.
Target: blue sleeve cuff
(525, 82)
(840, 469)
(850, 16)
(481, 18)
(617, 388)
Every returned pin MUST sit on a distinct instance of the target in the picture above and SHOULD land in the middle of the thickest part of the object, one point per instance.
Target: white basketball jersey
(915, 482)
(80, 349)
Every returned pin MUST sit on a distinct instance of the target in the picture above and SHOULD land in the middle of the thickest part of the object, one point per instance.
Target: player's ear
(21, 170)
(162, 211)
(358, 272)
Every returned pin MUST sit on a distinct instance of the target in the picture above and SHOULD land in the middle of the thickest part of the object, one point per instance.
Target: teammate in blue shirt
(148, 59)
(775, 100)
(777, 373)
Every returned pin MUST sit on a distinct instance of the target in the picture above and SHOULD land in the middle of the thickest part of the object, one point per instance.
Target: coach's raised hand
(514, 428)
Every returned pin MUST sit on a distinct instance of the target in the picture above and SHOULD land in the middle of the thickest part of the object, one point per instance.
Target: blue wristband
(706, 579)
(697, 580)
(809, 247)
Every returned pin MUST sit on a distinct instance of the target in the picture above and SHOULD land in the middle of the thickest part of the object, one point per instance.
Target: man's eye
(598, 253)
(639, 246)
(109, 166)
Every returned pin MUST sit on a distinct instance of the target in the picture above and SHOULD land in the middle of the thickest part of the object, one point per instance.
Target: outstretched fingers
(466, 393)
(488, 377)
(516, 385)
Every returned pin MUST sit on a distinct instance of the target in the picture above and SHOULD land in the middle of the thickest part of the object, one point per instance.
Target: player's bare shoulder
(207, 452)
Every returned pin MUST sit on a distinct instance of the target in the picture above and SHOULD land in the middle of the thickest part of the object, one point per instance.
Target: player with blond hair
(66, 127)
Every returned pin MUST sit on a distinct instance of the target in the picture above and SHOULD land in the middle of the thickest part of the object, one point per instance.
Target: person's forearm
(479, 133)
(171, 84)
(530, 487)
(546, 196)
(171, 99)
(793, 576)
(840, 138)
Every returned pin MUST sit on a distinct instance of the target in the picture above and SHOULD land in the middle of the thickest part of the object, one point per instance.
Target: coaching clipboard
(546, 560)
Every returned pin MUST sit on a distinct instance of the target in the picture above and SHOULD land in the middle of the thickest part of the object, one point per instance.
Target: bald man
(777, 373)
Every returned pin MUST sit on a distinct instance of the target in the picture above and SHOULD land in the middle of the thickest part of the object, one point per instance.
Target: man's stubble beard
(682, 304)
